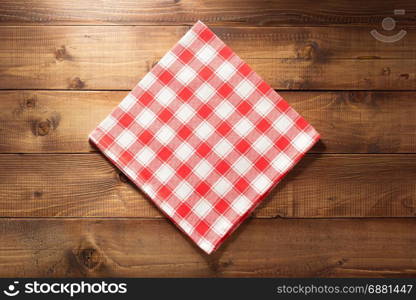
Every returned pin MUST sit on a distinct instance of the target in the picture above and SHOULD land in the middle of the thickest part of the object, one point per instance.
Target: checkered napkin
(204, 137)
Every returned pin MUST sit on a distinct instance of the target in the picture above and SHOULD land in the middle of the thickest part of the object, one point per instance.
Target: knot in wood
(76, 83)
(61, 54)
(404, 76)
(30, 102)
(43, 128)
(123, 178)
(308, 52)
(386, 71)
(38, 194)
(89, 257)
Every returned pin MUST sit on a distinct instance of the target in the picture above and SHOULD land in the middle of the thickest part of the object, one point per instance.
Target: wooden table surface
(348, 209)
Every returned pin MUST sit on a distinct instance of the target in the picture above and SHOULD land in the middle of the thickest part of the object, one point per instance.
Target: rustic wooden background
(348, 208)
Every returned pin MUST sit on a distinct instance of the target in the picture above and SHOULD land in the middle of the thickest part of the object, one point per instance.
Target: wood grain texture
(116, 57)
(346, 210)
(171, 12)
(259, 248)
(349, 122)
(87, 185)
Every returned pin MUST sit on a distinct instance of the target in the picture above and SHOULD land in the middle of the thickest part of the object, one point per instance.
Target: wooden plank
(52, 121)
(259, 12)
(349, 122)
(259, 248)
(87, 185)
(115, 58)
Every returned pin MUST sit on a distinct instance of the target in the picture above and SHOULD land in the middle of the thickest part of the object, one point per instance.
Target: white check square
(165, 134)
(126, 138)
(108, 123)
(221, 226)
(281, 162)
(187, 39)
(164, 173)
(203, 169)
(204, 130)
(185, 112)
(241, 205)
(130, 173)
(186, 226)
(148, 189)
(145, 156)
(261, 183)
(224, 109)
(169, 210)
(146, 118)
(264, 106)
(302, 141)
(110, 155)
(128, 102)
(223, 148)
(206, 54)
(262, 144)
(242, 165)
(222, 186)
(226, 71)
(205, 245)
(282, 124)
(165, 96)
(183, 190)
(168, 59)
(186, 75)
(147, 81)
(243, 127)
(244, 89)
(184, 151)
(205, 92)
(202, 208)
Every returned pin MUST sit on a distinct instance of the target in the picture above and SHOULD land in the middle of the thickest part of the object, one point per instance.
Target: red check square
(204, 137)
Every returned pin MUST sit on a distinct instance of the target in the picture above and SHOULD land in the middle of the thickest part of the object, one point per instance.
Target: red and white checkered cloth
(204, 137)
